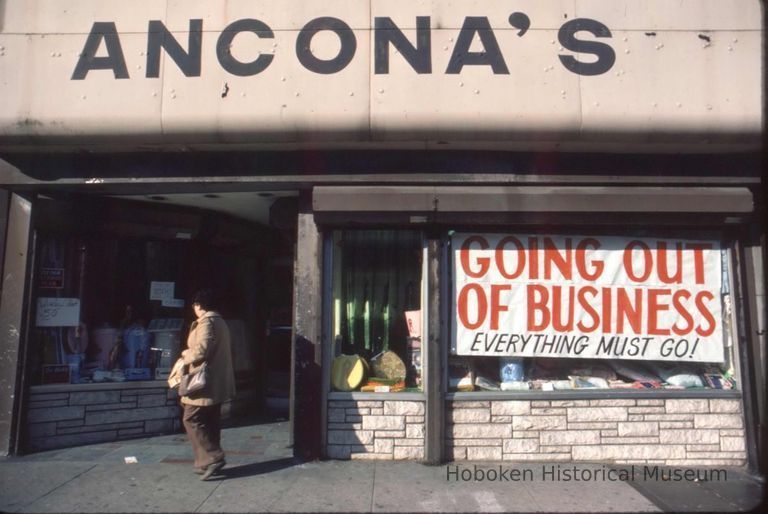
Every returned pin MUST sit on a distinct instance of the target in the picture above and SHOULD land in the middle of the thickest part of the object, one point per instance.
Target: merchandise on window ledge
(383, 385)
(473, 374)
(485, 384)
(461, 377)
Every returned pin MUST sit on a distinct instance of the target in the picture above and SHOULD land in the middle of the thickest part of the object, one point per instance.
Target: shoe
(212, 469)
(201, 471)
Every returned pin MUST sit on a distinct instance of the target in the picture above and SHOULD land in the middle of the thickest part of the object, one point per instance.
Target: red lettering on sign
(462, 306)
(562, 262)
(704, 310)
(533, 260)
(647, 261)
(625, 311)
(496, 306)
(654, 306)
(538, 305)
(664, 275)
(683, 312)
(558, 307)
(698, 259)
(591, 312)
(484, 262)
(499, 254)
(581, 264)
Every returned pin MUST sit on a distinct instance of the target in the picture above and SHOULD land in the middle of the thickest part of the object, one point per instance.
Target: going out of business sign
(587, 297)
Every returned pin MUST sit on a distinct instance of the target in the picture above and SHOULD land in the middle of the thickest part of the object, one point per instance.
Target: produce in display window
(376, 307)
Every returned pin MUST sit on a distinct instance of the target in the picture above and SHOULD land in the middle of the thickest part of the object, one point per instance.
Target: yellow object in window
(348, 372)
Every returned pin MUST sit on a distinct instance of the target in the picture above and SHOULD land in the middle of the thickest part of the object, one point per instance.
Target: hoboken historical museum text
(582, 473)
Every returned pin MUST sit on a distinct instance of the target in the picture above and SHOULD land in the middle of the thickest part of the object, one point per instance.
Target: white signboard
(176, 303)
(58, 312)
(528, 72)
(162, 291)
(587, 297)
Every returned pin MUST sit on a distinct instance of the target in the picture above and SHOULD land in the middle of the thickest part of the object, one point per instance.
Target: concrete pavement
(262, 476)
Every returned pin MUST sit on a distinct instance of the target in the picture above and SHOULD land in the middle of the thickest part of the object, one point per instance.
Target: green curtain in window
(380, 280)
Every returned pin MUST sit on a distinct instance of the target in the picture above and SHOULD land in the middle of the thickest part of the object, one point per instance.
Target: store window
(377, 310)
(99, 316)
(111, 287)
(562, 312)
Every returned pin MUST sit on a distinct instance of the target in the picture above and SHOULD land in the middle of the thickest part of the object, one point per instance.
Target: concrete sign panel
(557, 72)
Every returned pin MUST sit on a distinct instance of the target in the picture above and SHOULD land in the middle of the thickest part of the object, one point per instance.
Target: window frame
(329, 270)
(729, 242)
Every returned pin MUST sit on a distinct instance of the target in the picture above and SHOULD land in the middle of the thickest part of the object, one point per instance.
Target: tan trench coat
(208, 340)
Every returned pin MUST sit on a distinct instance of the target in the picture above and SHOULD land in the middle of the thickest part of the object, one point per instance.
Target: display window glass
(377, 310)
(111, 288)
(553, 312)
(98, 315)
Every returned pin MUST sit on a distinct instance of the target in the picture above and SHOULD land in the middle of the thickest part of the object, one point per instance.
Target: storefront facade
(493, 233)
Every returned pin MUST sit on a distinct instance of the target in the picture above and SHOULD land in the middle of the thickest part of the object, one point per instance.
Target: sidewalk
(262, 476)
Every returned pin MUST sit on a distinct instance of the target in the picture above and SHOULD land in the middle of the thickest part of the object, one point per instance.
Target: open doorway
(112, 279)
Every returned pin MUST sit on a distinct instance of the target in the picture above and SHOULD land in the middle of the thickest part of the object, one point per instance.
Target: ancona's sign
(576, 35)
(587, 297)
(529, 75)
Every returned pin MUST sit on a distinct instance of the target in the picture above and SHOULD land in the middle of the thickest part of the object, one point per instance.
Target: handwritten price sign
(58, 312)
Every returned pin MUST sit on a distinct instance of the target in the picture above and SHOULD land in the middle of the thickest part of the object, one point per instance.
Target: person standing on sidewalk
(208, 342)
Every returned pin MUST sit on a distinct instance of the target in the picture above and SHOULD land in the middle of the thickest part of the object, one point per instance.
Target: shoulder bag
(192, 383)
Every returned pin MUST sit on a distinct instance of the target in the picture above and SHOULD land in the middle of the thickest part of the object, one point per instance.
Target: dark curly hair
(205, 298)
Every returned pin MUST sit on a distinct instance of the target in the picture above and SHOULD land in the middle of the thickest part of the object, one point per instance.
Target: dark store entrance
(109, 305)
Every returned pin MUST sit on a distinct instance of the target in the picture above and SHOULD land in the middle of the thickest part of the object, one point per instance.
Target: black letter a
(490, 57)
(114, 60)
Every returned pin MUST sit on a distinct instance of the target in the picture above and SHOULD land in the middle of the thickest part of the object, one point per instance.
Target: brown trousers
(203, 426)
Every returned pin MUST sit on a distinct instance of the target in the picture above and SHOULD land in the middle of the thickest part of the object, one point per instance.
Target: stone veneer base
(375, 429)
(60, 416)
(687, 432)
(674, 432)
